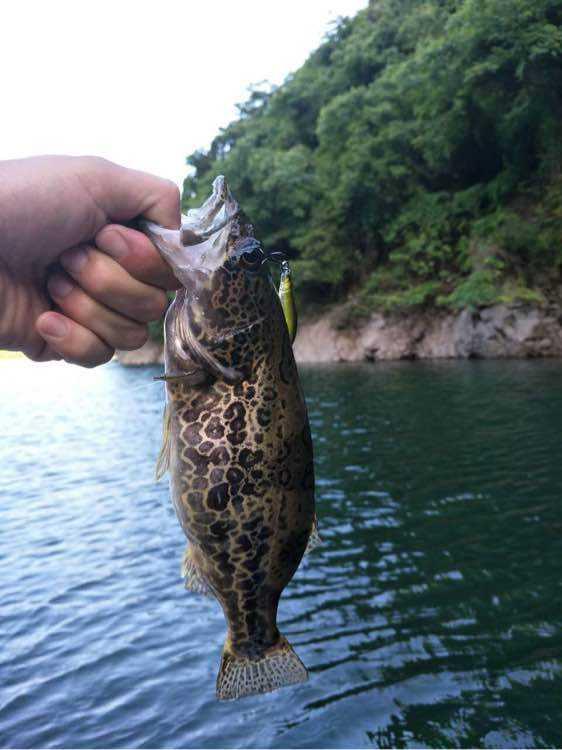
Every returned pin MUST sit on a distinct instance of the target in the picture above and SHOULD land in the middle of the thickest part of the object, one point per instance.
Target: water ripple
(428, 617)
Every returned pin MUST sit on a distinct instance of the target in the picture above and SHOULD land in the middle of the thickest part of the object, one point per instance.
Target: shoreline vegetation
(411, 170)
(413, 162)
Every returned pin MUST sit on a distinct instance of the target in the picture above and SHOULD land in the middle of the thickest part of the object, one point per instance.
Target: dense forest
(415, 159)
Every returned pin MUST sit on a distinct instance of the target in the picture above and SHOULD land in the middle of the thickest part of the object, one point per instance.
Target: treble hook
(286, 291)
(276, 256)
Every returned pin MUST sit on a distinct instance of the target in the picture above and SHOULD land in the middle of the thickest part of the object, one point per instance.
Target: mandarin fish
(237, 441)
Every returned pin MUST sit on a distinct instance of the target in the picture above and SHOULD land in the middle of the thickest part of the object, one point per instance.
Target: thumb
(124, 193)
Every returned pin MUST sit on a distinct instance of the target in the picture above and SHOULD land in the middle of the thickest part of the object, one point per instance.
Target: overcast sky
(143, 83)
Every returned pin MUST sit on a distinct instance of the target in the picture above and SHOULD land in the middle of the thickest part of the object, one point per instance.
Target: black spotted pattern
(241, 451)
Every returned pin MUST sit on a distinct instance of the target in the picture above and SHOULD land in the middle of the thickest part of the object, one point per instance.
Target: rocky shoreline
(494, 332)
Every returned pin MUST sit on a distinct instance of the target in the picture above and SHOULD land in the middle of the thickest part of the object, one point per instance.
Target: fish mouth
(220, 208)
(202, 241)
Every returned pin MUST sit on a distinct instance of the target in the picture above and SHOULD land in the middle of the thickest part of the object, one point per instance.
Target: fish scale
(236, 438)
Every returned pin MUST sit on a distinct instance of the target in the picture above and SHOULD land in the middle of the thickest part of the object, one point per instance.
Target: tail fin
(240, 676)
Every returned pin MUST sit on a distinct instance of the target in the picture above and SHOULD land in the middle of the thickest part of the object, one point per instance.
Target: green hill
(414, 159)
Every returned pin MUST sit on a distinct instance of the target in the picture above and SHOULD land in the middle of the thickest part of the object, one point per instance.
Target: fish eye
(250, 255)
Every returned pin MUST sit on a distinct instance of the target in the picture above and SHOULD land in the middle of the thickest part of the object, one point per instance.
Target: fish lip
(201, 242)
(213, 216)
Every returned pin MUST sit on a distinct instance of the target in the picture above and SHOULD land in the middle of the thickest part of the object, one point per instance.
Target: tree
(407, 153)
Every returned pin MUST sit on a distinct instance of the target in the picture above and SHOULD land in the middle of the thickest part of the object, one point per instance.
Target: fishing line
(144, 386)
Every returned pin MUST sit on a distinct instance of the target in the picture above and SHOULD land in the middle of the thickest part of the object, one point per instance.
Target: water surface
(431, 616)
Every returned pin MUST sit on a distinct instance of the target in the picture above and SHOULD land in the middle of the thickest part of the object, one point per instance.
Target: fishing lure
(287, 298)
(286, 291)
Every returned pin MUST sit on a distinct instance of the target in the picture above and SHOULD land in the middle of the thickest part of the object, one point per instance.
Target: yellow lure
(287, 297)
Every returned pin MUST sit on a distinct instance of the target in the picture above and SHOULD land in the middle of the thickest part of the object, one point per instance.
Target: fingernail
(74, 260)
(114, 244)
(59, 286)
(53, 326)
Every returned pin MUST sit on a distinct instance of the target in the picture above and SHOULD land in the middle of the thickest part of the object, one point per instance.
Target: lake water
(431, 616)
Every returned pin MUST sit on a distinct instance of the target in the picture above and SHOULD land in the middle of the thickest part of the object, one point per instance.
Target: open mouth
(201, 242)
(206, 221)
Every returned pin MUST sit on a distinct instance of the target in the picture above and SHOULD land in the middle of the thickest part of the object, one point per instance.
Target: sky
(144, 83)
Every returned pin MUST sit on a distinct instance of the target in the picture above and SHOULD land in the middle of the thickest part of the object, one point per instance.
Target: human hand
(74, 283)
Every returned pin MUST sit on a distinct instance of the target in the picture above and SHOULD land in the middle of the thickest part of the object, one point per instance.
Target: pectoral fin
(163, 461)
(202, 356)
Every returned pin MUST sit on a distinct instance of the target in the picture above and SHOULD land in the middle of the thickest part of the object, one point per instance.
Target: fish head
(212, 237)
(226, 286)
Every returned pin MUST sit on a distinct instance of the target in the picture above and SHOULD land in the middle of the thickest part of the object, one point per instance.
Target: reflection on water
(430, 616)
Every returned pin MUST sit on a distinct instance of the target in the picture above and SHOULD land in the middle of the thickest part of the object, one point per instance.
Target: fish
(237, 442)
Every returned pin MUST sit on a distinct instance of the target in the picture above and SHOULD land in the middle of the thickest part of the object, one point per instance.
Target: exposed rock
(492, 332)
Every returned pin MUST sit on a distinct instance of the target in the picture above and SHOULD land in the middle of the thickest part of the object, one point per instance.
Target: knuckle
(96, 276)
(133, 337)
(61, 287)
(77, 305)
(172, 190)
(152, 307)
(89, 162)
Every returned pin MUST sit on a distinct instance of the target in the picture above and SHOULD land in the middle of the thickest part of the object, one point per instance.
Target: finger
(106, 281)
(71, 341)
(46, 354)
(124, 193)
(136, 253)
(116, 331)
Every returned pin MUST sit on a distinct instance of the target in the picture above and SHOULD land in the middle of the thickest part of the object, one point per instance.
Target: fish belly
(242, 487)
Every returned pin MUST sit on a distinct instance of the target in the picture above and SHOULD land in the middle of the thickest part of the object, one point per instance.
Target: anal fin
(193, 580)
(314, 540)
